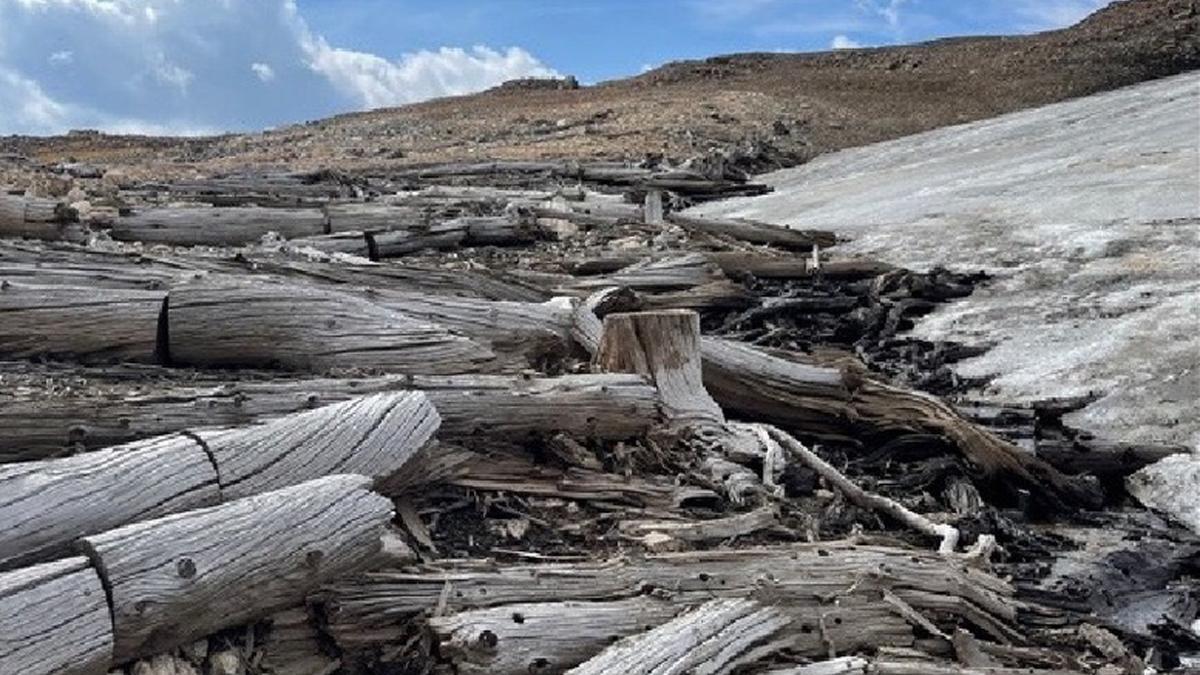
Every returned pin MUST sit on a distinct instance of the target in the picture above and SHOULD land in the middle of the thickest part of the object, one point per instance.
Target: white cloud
(889, 10)
(843, 42)
(1051, 14)
(162, 65)
(264, 71)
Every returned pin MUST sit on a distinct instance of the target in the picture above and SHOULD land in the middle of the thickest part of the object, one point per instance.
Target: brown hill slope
(767, 109)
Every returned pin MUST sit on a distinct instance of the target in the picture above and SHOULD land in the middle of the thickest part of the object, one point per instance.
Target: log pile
(528, 417)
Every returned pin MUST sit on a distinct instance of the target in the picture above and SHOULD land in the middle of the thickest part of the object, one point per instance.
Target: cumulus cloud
(843, 42)
(264, 71)
(167, 65)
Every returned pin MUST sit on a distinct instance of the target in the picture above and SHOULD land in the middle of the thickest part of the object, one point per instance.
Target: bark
(35, 218)
(36, 423)
(235, 226)
(179, 578)
(712, 639)
(756, 232)
(79, 323)
(260, 325)
(54, 620)
(48, 504)
(372, 435)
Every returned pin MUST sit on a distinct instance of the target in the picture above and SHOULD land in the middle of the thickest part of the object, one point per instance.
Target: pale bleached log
(507, 230)
(181, 577)
(46, 505)
(846, 665)
(374, 217)
(36, 423)
(755, 232)
(54, 620)
(665, 347)
(35, 218)
(349, 243)
(294, 327)
(737, 525)
(79, 323)
(667, 274)
(712, 639)
(236, 226)
(371, 435)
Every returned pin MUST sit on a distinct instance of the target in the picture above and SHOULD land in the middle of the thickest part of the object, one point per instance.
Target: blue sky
(200, 66)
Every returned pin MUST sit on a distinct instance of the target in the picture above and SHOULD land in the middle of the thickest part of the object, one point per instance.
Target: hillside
(767, 110)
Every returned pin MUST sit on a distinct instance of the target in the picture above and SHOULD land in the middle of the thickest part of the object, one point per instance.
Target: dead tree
(79, 323)
(756, 232)
(54, 620)
(236, 226)
(302, 328)
(182, 577)
(49, 504)
(509, 230)
(35, 218)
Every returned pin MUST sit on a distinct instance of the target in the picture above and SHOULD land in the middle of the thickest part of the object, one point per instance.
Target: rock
(227, 662)
(163, 664)
(1171, 486)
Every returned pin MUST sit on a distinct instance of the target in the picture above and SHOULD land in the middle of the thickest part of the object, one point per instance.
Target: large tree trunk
(508, 230)
(182, 577)
(35, 218)
(79, 323)
(48, 504)
(261, 325)
(36, 423)
(235, 226)
(756, 232)
(54, 620)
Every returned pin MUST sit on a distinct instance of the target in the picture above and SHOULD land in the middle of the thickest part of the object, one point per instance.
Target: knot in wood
(488, 640)
(313, 559)
(186, 567)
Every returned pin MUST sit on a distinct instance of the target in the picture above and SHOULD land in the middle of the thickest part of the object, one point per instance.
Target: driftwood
(170, 580)
(36, 218)
(299, 328)
(713, 638)
(840, 595)
(236, 226)
(54, 620)
(78, 323)
(35, 423)
(48, 504)
(372, 435)
(756, 232)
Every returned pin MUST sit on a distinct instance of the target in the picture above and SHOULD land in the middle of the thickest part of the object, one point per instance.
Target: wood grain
(234, 226)
(79, 323)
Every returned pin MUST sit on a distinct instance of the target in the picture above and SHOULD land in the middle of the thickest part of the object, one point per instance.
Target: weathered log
(664, 346)
(756, 232)
(47, 505)
(372, 435)
(508, 230)
(349, 243)
(78, 323)
(714, 638)
(855, 665)
(46, 420)
(300, 328)
(292, 646)
(736, 525)
(1105, 460)
(668, 274)
(181, 577)
(834, 591)
(737, 265)
(374, 217)
(54, 620)
(35, 218)
(234, 226)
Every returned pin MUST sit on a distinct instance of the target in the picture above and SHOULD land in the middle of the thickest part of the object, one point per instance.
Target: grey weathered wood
(181, 577)
(735, 525)
(507, 230)
(46, 420)
(712, 639)
(302, 328)
(349, 242)
(292, 646)
(667, 274)
(35, 218)
(46, 505)
(371, 435)
(797, 266)
(54, 620)
(79, 323)
(664, 346)
(374, 217)
(756, 232)
(235, 226)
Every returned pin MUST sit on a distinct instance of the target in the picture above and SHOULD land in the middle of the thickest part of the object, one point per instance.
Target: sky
(208, 66)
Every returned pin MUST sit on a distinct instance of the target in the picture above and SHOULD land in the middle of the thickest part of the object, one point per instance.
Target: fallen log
(36, 423)
(855, 665)
(54, 620)
(374, 217)
(508, 230)
(233, 226)
(756, 232)
(371, 435)
(35, 218)
(292, 646)
(761, 266)
(715, 638)
(48, 504)
(836, 593)
(293, 327)
(80, 323)
(182, 577)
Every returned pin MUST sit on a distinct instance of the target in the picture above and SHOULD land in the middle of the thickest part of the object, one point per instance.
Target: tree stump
(54, 620)
(664, 346)
(182, 577)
